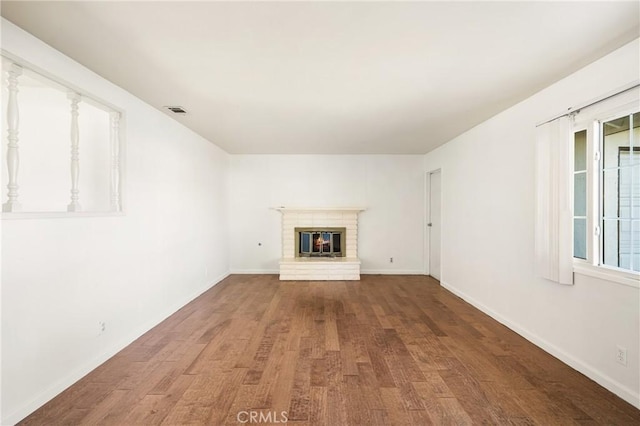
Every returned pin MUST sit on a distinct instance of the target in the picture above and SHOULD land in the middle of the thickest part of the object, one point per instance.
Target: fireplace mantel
(319, 209)
(315, 269)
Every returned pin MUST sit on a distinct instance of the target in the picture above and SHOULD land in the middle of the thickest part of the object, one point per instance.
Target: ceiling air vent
(176, 109)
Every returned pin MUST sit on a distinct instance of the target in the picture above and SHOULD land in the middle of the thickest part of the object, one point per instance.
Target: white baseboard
(391, 272)
(362, 272)
(255, 271)
(624, 392)
(56, 388)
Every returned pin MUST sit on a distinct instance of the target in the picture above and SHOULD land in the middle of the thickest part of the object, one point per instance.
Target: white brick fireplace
(293, 267)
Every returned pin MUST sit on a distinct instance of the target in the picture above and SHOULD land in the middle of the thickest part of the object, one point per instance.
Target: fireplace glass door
(320, 243)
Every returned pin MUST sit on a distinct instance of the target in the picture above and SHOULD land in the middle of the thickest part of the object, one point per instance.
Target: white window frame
(593, 265)
(589, 171)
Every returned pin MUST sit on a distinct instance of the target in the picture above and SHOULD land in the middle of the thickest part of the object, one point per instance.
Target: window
(620, 194)
(606, 188)
(580, 195)
(62, 148)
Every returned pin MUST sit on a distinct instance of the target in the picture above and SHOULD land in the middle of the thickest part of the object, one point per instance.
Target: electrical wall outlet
(621, 355)
(102, 326)
(391, 260)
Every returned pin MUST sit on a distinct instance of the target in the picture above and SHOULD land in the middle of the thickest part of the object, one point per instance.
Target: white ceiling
(331, 77)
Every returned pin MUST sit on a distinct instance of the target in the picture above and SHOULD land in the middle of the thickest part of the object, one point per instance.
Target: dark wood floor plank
(509, 409)
(396, 411)
(386, 350)
(541, 408)
(268, 381)
(357, 409)
(452, 413)
(178, 364)
(300, 401)
(242, 403)
(104, 407)
(155, 407)
(318, 405)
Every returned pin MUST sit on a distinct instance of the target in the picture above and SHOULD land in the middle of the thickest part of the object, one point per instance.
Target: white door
(433, 224)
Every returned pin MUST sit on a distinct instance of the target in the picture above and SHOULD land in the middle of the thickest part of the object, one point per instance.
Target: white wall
(488, 231)
(390, 187)
(62, 276)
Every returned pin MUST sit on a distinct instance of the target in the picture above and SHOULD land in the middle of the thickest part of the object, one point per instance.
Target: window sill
(56, 215)
(630, 279)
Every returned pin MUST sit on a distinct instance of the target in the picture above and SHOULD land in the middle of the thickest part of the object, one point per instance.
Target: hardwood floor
(387, 350)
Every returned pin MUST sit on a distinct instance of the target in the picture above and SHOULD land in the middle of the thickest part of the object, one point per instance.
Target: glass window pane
(580, 151)
(635, 192)
(621, 192)
(326, 242)
(610, 198)
(580, 194)
(580, 238)
(317, 243)
(624, 156)
(616, 135)
(625, 191)
(306, 242)
(610, 247)
(337, 248)
(635, 252)
(624, 244)
(635, 141)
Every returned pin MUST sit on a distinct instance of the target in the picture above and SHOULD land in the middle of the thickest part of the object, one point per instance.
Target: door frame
(427, 216)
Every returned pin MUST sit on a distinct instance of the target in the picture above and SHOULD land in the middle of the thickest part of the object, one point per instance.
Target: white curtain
(554, 210)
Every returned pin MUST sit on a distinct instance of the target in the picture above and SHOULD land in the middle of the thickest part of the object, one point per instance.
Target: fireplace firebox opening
(320, 242)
